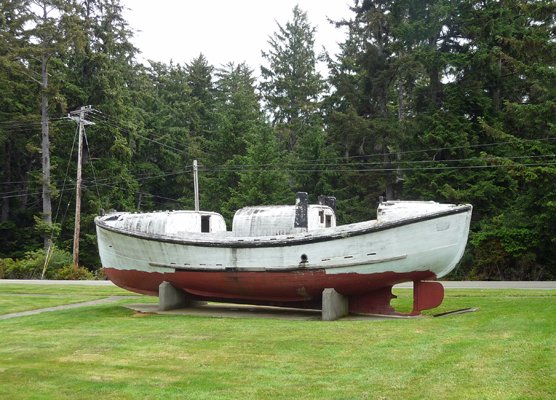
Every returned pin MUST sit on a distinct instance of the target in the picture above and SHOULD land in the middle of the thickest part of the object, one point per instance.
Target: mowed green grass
(505, 350)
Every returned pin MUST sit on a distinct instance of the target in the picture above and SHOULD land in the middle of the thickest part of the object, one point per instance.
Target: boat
(289, 255)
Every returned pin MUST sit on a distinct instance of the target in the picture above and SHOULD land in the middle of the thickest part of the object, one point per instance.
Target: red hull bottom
(367, 294)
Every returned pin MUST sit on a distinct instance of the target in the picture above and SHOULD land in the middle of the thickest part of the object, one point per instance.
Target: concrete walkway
(67, 307)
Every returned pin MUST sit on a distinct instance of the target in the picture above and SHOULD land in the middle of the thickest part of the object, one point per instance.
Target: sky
(225, 30)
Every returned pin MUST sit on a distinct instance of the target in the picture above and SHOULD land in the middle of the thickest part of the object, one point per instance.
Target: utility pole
(196, 185)
(79, 117)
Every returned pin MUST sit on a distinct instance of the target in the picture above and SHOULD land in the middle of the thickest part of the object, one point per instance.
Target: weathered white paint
(432, 241)
(396, 210)
(178, 223)
(278, 220)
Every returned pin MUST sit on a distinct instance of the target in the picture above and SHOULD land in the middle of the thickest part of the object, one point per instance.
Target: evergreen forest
(452, 101)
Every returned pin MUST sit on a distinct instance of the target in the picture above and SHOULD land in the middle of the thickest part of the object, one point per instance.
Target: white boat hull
(354, 259)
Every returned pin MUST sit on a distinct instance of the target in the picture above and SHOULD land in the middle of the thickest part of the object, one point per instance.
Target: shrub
(32, 265)
(27, 268)
(6, 264)
(72, 272)
(100, 275)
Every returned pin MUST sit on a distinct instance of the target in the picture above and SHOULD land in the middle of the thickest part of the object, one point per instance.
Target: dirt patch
(142, 314)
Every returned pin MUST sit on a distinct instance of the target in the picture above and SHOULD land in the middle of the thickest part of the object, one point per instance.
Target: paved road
(538, 285)
(53, 282)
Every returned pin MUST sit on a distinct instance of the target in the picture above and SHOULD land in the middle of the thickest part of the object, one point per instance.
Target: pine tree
(261, 181)
(200, 81)
(514, 52)
(166, 144)
(19, 129)
(48, 29)
(363, 126)
(291, 86)
(237, 111)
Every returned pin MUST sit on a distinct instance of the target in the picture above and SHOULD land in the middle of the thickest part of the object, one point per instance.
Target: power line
(66, 177)
(396, 165)
(394, 162)
(383, 169)
(246, 170)
(106, 119)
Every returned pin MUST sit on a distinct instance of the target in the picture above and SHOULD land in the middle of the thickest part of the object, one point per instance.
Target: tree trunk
(497, 92)
(434, 74)
(46, 195)
(383, 85)
(6, 200)
(400, 100)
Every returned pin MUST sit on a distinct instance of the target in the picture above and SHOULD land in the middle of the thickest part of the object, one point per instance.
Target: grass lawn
(505, 350)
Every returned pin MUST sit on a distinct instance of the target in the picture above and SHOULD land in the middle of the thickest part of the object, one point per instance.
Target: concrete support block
(334, 305)
(170, 299)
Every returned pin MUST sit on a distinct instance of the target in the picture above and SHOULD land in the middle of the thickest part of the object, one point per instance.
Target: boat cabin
(248, 221)
(169, 222)
(285, 220)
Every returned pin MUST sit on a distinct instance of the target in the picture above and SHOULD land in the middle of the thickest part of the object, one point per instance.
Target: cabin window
(321, 215)
(205, 223)
(328, 221)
